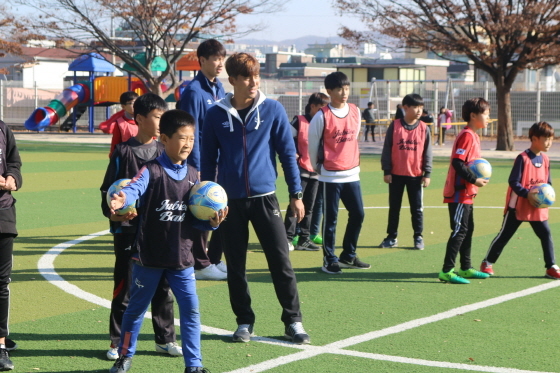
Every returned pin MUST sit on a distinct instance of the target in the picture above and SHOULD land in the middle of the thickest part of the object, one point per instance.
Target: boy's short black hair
(127, 97)
(476, 105)
(172, 120)
(148, 102)
(317, 98)
(210, 47)
(369, 103)
(541, 129)
(413, 99)
(336, 80)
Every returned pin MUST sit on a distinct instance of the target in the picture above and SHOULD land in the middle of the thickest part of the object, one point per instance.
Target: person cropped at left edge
(242, 135)
(10, 180)
(163, 245)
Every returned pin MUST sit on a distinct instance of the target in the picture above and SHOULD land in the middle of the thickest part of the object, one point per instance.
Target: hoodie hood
(226, 105)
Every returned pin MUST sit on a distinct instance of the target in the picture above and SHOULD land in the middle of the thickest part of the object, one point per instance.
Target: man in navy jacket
(241, 136)
(201, 94)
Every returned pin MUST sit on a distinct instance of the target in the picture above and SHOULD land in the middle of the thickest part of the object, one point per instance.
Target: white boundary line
(46, 268)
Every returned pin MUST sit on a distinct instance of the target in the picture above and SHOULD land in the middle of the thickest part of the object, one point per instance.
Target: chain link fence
(17, 103)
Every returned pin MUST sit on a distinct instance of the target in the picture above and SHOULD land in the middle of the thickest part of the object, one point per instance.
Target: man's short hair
(369, 103)
(242, 64)
(476, 105)
(127, 97)
(148, 102)
(210, 47)
(541, 129)
(413, 99)
(174, 119)
(336, 80)
(317, 98)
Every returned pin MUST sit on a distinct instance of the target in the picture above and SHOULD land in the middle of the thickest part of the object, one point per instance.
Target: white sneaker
(171, 348)
(222, 267)
(290, 246)
(210, 273)
(113, 353)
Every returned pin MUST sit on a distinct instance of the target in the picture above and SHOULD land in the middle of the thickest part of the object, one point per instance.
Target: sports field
(394, 317)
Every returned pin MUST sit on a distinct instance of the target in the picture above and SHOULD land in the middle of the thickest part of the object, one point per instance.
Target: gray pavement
(488, 145)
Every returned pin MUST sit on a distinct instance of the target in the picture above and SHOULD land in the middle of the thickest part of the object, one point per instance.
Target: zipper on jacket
(245, 165)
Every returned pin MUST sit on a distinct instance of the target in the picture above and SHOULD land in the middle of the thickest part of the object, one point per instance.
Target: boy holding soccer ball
(531, 168)
(459, 192)
(163, 245)
(125, 162)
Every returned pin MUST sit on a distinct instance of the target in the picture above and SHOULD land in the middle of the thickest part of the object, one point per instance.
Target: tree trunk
(505, 128)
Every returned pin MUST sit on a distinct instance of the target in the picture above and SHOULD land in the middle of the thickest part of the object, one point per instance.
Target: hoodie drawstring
(258, 118)
(230, 121)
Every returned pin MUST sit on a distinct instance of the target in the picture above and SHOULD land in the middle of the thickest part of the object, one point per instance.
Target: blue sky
(299, 18)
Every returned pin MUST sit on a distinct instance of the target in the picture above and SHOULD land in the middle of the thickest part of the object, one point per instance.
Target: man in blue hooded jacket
(242, 135)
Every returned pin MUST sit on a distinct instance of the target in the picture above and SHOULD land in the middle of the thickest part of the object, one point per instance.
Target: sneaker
(196, 370)
(113, 353)
(290, 246)
(171, 348)
(473, 273)
(295, 240)
(388, 242)
(243, 333)
(452, 278)
(307, 245)
(295, 333)
(5, 362)
(486, 267)
(222, 266)
(553, 272)
(356, 263)
(210, 273)
(10, 345)
(316, 238)
(418, 243)
(122, 365)
(332, 268)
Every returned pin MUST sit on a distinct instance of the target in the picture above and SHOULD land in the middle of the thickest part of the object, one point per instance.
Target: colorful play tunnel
(57, 108)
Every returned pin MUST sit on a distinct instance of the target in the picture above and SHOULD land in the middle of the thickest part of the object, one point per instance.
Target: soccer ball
(545, 195)
(481, 168)
(206, 198)
(115, 188)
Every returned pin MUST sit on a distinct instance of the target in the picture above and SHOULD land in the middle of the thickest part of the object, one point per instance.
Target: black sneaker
(332, 268)
(196, 370)
(307, 245)
(388, 243)
(11, 345)
(243, 333)
(5, 362)
(418, 243)
(356, 263)
(295, 333)
(122, 365)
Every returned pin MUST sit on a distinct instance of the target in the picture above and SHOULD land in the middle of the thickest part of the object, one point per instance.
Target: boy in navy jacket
(166, 231)
(201, 94)
(241, 136)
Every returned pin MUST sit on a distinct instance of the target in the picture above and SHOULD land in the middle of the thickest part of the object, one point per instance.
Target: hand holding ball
(544, 194)
(481, 168)
(206, 198)
(115, 188)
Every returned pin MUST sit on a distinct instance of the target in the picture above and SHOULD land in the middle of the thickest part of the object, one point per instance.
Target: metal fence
(17, 103)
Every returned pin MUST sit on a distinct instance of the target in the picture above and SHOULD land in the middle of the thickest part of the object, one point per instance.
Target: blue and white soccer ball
(206, 198)
(545, 195)
(481, 168)
(115, 188)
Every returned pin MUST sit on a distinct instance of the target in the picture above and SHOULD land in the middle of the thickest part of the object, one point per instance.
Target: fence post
(538, 101)
(1, 100)
(485, 131)
(436, 110)
(300, 84)
(36, 95)
(388, 100)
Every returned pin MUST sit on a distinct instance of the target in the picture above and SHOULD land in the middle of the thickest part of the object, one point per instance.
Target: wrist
(296, 195)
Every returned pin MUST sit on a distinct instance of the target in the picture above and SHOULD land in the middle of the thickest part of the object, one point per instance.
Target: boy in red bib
(406, 161)
(459, 192)
(531, 167)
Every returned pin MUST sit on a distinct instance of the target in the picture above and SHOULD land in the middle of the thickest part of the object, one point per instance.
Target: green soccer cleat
(452, 278)
(295, 240)
(473, 273)
(317, 239)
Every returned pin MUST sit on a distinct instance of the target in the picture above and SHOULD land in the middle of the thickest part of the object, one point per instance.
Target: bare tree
(501, 37)
(13, 32)
(162, 28)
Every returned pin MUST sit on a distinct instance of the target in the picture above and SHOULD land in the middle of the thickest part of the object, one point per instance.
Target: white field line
(46, 268)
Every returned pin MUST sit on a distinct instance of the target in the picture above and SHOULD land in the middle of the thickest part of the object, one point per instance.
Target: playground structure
(99, 90)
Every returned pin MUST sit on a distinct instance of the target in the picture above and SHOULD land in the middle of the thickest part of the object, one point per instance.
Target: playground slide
(57, 108)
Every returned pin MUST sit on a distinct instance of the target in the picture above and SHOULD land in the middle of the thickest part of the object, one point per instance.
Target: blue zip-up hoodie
(247, 151)
(196, 99)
